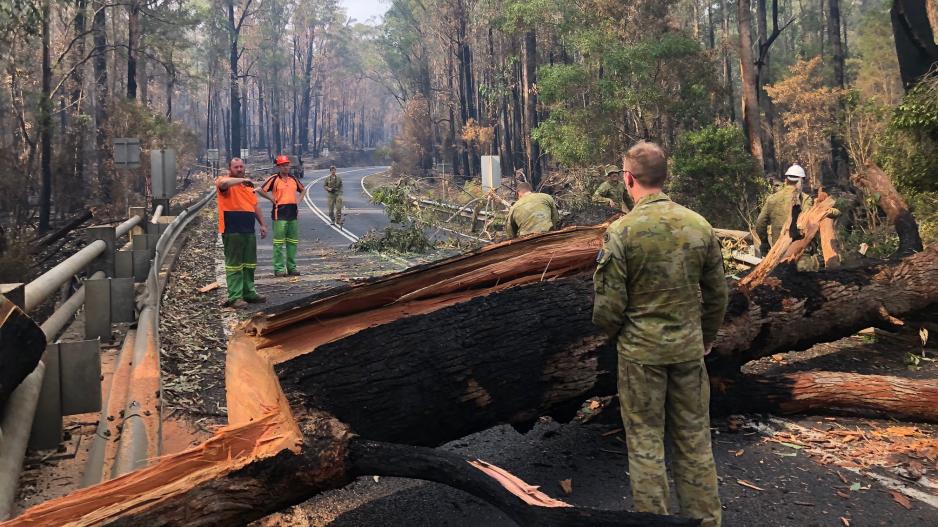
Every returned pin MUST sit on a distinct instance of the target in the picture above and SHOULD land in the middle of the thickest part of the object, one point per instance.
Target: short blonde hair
(648, 163)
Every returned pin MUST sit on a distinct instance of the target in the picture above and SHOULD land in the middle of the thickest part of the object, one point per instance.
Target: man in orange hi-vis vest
(282, 189)
(237, 211)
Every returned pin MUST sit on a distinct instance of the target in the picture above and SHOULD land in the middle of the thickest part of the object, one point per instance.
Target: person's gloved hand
(764, 248)
(834, 213)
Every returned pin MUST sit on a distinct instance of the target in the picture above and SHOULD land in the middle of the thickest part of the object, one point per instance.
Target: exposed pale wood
(787, 250)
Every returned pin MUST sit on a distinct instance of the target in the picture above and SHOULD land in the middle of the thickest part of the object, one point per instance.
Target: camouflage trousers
(676, 398)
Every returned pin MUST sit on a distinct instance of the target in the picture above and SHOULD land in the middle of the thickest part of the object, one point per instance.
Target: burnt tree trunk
(328, 457)
(21, 347)
(915, 39)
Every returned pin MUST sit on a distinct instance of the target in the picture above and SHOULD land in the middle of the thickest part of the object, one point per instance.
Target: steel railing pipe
(157, 212)
(16, 426)
(39, 289)
(64, 314)
(125, 227)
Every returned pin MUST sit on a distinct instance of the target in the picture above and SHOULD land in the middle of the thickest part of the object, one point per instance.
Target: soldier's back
(532, 213)
(665, 247)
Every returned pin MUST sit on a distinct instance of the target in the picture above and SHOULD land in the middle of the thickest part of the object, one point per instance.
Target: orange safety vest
(284, 191)
(236, 207)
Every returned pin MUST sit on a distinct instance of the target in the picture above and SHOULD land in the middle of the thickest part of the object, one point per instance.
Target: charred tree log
(22, 344)
(827, 391)
(874, 181)
(532, 350)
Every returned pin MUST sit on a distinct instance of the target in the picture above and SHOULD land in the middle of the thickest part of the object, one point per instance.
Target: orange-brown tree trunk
(875, 182)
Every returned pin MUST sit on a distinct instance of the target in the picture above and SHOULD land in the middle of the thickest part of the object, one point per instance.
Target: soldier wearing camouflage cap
(661, 294)
(612, 191)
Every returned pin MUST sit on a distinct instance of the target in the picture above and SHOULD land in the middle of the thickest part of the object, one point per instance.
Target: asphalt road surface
(359, 216)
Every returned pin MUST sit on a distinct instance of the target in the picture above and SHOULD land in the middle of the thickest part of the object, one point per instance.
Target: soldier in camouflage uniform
(533, 212)
(333, 187)
(612, 191)
(777, 208)
(661, 293)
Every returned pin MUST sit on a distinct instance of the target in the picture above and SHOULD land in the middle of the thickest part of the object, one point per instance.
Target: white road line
(349, 235)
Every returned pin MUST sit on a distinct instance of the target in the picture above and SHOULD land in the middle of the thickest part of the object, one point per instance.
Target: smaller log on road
(828, 391)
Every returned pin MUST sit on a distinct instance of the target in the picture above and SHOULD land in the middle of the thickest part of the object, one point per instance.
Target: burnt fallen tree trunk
(532, 350)
(503, 335)
(825, 391)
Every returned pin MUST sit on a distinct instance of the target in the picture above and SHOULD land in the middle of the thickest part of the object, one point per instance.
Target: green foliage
(668, 78)
(713, 174)
(406, 234)
(908, 150)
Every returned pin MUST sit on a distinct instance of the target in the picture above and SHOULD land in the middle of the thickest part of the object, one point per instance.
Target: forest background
(736, 90)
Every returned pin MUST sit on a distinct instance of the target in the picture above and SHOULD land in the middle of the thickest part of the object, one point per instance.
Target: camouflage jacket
(333, 184)
(776, 211)
(612, 190)
(535, 212)
(660, 288)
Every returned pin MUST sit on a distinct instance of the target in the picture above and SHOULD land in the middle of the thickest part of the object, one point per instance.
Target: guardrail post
(47, 422)
(137, 211)
(98, 308)
(122, 299)
(124, 262)
(141, 257)
(104, 262)
(165, 203)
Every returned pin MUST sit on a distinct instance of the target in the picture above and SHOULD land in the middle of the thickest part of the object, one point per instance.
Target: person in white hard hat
(777, 208)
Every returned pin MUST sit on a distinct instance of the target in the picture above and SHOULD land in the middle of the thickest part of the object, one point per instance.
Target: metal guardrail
(134, 442)
(21, 408)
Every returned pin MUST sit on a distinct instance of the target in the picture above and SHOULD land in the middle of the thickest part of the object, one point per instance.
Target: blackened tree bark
(45, 125)
(915, 39)
(307, 91)
(532, 151)
(839, 157)
(234, 55)
(133, 22)
(762, 78)
(727, 64)
(79, 128)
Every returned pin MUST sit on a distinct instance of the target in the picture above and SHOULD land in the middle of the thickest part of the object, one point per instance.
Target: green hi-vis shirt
(535, 212)
(613, 190)
(660, 288)
(776, 211)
